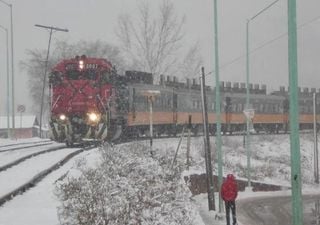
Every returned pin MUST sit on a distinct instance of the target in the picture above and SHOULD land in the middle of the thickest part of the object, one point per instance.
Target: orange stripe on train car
(142, 118)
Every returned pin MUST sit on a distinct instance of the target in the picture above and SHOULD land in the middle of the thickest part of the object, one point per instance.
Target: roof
(25, 121)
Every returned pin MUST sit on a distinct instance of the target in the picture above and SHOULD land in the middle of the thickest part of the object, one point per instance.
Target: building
(26, 126)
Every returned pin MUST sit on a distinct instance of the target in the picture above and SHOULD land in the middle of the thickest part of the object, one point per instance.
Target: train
(91, 101)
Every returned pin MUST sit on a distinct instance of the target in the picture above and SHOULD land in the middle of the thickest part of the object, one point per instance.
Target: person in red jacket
(229, 193)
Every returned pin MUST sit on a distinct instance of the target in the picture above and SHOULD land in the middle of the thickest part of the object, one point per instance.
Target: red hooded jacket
(229, 189)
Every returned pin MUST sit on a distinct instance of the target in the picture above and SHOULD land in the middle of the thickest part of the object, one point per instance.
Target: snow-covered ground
(270, 160)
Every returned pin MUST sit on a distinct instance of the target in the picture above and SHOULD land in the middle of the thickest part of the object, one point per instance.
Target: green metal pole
(294, 116)
(247, 142)
(218, 110)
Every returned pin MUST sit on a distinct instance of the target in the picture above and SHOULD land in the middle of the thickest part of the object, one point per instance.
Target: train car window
(266, 108)
(175, 101)
(213, 106)
(261, 108)
(240, 107)
(300, 109)
(234, 108)
(255, 106)
(156, 103)
(133, 102)
(163, 100)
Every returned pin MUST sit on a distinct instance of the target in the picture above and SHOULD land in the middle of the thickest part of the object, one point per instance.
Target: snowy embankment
(128, 186)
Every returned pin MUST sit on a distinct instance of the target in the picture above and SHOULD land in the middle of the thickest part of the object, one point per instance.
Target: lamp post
(247, 143)
(8, 77)
(12, 68)
(45, 70)
(151, 95)
(217, 100)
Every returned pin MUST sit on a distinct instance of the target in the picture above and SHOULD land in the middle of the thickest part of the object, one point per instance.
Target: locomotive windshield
(90, 75)
(82, 75)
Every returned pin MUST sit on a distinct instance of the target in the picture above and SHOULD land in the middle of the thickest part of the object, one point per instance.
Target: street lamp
(247, 143)
(151, 95)
(45, 70)
(218, 109)
(8, 93)
(12, 67)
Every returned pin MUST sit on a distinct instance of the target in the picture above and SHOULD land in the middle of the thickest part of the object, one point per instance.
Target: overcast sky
(97, 19)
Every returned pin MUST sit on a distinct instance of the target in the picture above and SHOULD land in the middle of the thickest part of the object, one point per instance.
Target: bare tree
(152, 44)
(189, 67)
(34, 67)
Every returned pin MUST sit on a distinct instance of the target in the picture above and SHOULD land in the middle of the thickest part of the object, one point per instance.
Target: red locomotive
(83, 100)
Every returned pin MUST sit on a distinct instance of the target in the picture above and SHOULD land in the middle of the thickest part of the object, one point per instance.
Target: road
(275, 210)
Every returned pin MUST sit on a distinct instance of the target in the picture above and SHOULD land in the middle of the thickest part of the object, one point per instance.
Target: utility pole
(297, 210)
(188, 141)
(207, 151)
(45, 70)
(316, 153)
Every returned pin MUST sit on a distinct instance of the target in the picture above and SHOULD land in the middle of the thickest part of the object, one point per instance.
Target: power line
(263, 45)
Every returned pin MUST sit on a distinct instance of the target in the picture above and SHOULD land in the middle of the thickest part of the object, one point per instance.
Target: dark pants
(231, 205)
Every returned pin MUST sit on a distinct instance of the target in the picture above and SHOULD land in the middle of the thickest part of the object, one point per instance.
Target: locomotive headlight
(62, 117)
(94, 117)
(81, 64)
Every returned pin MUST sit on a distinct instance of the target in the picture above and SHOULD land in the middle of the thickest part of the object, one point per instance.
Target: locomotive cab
(83, 103)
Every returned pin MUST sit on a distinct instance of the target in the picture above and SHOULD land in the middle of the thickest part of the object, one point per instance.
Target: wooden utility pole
(210, 186)
(188, 142)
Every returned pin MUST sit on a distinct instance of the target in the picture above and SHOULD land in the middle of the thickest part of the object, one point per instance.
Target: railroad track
(23, 145)
(23, 173)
